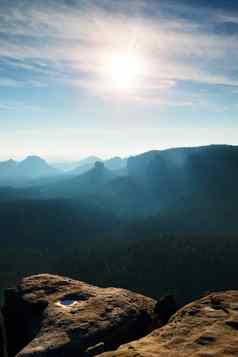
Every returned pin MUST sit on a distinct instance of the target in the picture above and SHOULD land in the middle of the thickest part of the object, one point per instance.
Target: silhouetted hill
(114, 164)
(33, 167)
(179, 158)
(89, 160)
(88, 183)
(70, 165)
(84, 165)
(7, 167)
(91, 180)
(188, 176)
(8, 164)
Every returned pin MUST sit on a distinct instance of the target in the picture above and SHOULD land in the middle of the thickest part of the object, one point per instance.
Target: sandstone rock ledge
(49, 315)
(205, 328)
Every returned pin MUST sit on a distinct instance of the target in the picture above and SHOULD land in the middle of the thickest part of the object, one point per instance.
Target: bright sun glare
(123, 71)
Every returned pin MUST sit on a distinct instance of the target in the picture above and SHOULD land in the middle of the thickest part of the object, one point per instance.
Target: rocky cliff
(49, 315)
(205, 328)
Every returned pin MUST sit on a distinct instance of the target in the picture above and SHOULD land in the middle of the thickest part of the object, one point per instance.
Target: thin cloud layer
(68, 46)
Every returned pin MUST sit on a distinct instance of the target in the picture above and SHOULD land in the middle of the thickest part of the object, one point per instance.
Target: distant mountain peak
(7, 166)
(99, 165)
(33, 158)
(89, 160)
(9, 162)
(34, 166)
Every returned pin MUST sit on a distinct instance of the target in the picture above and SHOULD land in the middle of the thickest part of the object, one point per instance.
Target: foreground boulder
(49, 315)
(205, 328)
(3, 340)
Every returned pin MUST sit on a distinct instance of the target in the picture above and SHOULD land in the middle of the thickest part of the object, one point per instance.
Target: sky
(106, 78)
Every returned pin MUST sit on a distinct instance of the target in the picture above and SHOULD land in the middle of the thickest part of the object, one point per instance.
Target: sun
(123, 71)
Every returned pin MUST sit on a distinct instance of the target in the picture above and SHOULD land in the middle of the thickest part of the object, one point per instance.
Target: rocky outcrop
(3, 339)
(205, 328)
(49, 315)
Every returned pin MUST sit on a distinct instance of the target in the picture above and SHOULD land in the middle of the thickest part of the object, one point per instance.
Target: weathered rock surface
(205, 328)
(50, 315)
(3, 340)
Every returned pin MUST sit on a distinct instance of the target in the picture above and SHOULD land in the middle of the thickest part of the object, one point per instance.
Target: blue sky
(61, 63)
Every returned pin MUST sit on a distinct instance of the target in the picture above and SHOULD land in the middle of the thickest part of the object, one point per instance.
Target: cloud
(17, 106)
(7, 82)
(226, 18)
(68, 45)
(13, 83)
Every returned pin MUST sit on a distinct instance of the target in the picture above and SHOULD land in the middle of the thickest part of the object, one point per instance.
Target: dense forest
(107, 252)
(182, 265)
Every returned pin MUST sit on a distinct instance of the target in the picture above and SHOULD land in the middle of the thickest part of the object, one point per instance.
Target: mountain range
(114, 164)
(31, 167)
(34, 168)
(184, 188)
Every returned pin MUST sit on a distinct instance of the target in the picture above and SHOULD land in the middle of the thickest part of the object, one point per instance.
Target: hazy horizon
(75, 159)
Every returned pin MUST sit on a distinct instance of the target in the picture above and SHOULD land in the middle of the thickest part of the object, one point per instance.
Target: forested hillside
(148, 262)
